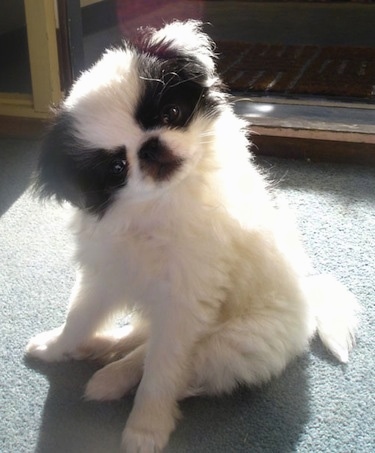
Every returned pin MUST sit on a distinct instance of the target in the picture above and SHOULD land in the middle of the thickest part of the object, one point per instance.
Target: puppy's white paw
(149, 427)
(137, 441)
(114, 380)
(47, 346)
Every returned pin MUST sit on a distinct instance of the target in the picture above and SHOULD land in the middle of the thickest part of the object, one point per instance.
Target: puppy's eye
(170, 114)
(117, 166)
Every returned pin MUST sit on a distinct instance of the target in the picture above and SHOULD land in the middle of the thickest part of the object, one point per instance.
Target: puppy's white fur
(214, 276)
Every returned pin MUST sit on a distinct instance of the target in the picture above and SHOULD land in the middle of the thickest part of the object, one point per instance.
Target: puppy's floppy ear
(186, 42)
(54, 177)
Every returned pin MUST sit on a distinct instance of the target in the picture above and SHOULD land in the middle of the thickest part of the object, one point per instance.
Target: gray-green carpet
(317, 405)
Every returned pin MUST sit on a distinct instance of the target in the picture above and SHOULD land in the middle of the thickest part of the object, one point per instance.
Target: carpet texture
(303, 70)
(317, 405)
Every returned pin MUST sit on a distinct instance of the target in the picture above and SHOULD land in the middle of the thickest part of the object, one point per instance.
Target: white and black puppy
(175, 225)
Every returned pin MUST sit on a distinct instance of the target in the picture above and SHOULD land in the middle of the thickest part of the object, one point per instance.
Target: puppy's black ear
(54, 177)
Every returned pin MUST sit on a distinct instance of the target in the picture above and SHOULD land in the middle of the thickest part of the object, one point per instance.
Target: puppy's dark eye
(117, 166)
(170, 114)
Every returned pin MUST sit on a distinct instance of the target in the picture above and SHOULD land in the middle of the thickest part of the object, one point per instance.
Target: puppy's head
(134, 124)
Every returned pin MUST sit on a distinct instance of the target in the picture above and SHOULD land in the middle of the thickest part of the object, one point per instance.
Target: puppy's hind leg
(116, 379)
(247, 351)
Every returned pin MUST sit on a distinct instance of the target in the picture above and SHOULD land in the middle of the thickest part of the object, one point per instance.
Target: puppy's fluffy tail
(336, 310)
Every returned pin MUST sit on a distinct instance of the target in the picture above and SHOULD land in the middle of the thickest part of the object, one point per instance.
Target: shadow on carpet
(71, 424)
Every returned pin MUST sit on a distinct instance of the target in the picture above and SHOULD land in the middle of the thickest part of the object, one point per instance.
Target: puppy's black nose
(151, 150)
(157, 160)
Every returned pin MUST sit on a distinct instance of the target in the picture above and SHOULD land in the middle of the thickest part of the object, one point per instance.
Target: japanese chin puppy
(176, 228)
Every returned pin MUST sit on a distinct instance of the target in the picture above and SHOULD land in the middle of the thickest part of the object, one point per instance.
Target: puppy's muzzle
(157, 160)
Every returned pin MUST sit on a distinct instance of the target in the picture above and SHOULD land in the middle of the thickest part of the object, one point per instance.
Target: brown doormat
(298, 70)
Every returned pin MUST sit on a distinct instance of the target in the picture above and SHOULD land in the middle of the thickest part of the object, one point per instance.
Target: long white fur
(215, 277)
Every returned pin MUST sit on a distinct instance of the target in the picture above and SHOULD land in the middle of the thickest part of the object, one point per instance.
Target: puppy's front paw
(149, 427)
(137, 441)
(47, 346)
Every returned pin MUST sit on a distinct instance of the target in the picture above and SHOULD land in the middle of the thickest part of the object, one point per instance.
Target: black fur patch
(157, 160)
(172, 78)
(69, 171)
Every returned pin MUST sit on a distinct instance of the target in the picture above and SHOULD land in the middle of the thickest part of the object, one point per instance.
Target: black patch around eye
(69, 171)
(101, 174)
(171, 83)
(157, 104)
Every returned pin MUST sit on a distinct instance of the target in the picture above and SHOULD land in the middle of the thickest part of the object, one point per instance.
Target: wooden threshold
(22, 128)
(314, 150)
(336, 122)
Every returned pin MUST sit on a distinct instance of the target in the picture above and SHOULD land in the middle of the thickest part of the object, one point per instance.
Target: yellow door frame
(41, 24)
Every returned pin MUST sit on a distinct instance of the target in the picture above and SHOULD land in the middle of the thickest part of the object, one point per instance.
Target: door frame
(42, 25)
